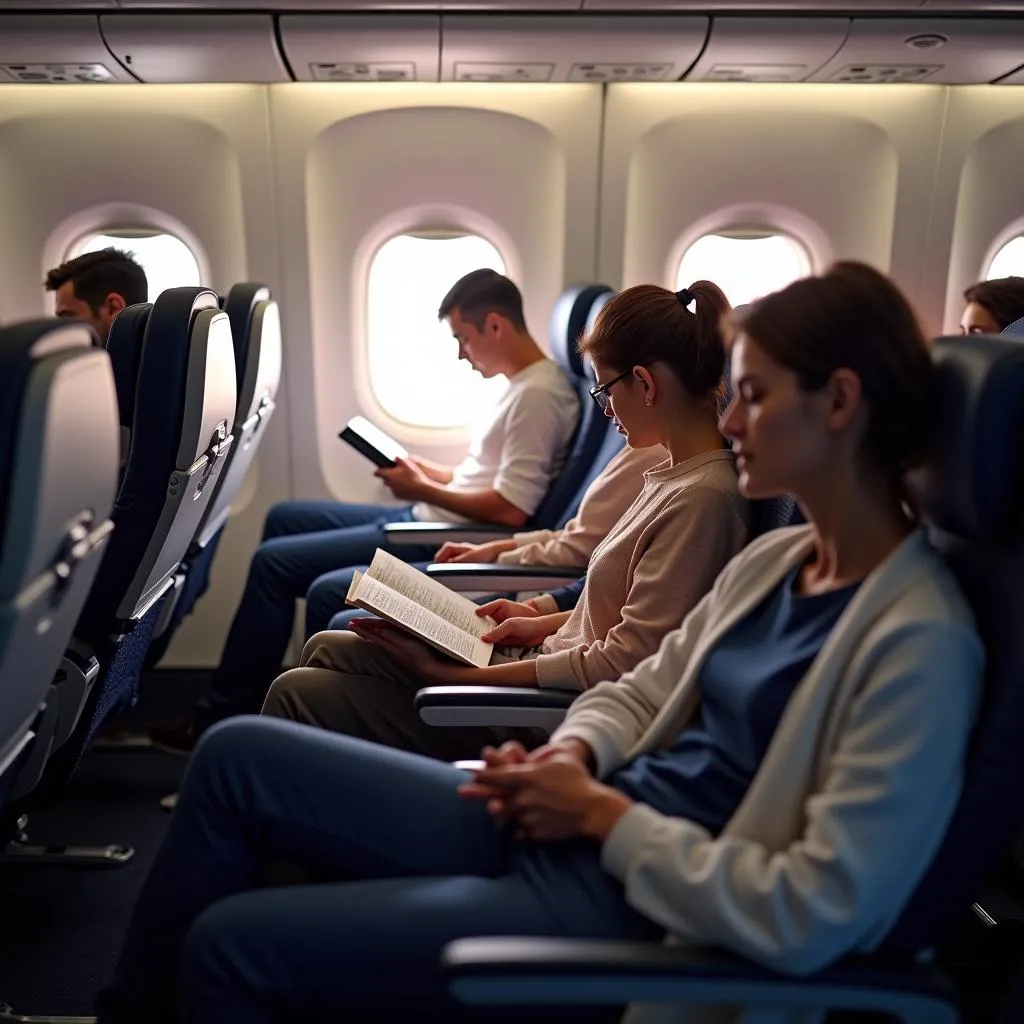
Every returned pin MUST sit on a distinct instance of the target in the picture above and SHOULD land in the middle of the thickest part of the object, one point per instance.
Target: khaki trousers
(349, 685)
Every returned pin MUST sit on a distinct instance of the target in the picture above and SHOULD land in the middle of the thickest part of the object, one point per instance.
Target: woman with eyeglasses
(659, 370)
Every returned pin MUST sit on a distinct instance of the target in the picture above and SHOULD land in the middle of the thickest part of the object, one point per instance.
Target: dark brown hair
(647, 324)
(1003, 299)
(481, 292)
(856, 318)
(96, 274)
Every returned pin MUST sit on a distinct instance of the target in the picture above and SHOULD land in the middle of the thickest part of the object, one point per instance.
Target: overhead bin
(947, 51)
(762, 49)
(714, 6)
(196, 47)
(569, 49)
(362, 48)
(282, 6)
(38, 48)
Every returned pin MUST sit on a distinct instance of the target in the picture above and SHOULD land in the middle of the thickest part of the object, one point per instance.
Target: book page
(419, 587)
(374, 596)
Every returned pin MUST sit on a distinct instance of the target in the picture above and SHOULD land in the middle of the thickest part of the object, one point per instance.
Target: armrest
(502, 579)
(523, 971)
(438, 533)
(494, 705)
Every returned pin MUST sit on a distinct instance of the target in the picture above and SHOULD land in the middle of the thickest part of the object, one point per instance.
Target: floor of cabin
(62, 927)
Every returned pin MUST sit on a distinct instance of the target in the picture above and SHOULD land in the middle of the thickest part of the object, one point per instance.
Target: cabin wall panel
(978, 188)
(848, 171)
(356, 165)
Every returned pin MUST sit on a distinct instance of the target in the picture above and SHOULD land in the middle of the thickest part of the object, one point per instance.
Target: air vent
(378, 71)
(884, 73)
(619, 72)
(755, 73)
(53, 73)
(469, 71)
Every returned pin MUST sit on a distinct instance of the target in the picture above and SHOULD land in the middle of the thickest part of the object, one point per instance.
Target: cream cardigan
(857, 786)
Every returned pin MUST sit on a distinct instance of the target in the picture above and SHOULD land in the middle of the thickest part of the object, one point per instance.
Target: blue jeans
(303, 541)
(412, 866)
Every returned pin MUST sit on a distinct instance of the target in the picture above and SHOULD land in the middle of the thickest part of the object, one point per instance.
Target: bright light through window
(167, 261)
(1009, 261)
(745, 268)
(415, 371)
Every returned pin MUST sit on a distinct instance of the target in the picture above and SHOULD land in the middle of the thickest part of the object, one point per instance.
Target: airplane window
(415, 372)
(1009, 261)
(744, 265)
(167, 260)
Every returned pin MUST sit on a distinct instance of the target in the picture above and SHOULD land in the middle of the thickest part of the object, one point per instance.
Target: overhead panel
(57, 4)
(362, 48)
(37, 48)
(974, 6)
(944, 51)
(196, 47)
(304, 6)
(714, 6)
(569, 49)
(783, 49)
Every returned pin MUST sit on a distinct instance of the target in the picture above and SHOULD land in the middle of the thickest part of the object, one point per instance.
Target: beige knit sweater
(656, 563)
(605, 500)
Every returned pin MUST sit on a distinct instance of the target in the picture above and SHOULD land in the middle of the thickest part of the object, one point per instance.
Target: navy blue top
(568, 597)
(745, 685)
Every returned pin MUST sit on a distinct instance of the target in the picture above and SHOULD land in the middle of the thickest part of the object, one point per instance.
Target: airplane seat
(124, 346)
(568, 320)
(58, 479)
(1014, 330)
(972, 498)
(256, 333)
(183, 408)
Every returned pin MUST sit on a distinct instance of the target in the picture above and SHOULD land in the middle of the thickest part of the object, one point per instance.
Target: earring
(648, 403)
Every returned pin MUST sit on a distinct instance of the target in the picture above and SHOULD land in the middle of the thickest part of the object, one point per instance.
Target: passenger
(660, 368)
(613, 490)
(993, 305)
(512, 459)
(774, 781)
(96, 286)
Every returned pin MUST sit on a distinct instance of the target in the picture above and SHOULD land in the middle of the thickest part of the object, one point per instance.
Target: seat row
(120, 468)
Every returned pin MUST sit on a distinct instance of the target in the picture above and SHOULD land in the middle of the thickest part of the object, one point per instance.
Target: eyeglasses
(599, 393)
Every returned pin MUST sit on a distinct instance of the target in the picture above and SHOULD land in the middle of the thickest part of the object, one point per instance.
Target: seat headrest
(240, 305)
(21, 347)
(568, 321)
(124, 345)
(1014, 330)
(972, 484)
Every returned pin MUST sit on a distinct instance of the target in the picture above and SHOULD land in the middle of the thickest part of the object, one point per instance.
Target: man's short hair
(481, 292)
(94, 275)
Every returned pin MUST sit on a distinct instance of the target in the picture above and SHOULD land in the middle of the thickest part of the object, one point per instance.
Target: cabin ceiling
(945, 42)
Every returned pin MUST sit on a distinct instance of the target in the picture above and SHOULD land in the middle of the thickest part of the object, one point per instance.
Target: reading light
(926, 41)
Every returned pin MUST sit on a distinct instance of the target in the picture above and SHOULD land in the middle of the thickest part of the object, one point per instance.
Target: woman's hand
(524, 632)
(419, 658)
(458, 552)
(503, 609)
(550, 796)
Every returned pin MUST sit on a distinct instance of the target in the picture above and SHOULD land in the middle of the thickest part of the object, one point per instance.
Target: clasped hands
(548, 794)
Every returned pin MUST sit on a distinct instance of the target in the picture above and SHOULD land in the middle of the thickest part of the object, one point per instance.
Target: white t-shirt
(522, 448)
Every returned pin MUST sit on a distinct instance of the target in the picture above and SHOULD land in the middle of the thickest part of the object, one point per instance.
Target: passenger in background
(512, 459)
(774, 780)
(660, 372)
(96, 286)
(993, 305)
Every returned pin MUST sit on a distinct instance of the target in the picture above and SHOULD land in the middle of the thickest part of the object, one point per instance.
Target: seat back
(972, 495)
(58, 477)
(568, 321)
(256, 331)
(180, 404)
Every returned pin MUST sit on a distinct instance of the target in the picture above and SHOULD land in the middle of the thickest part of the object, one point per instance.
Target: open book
(372, 442)
(422, 606)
